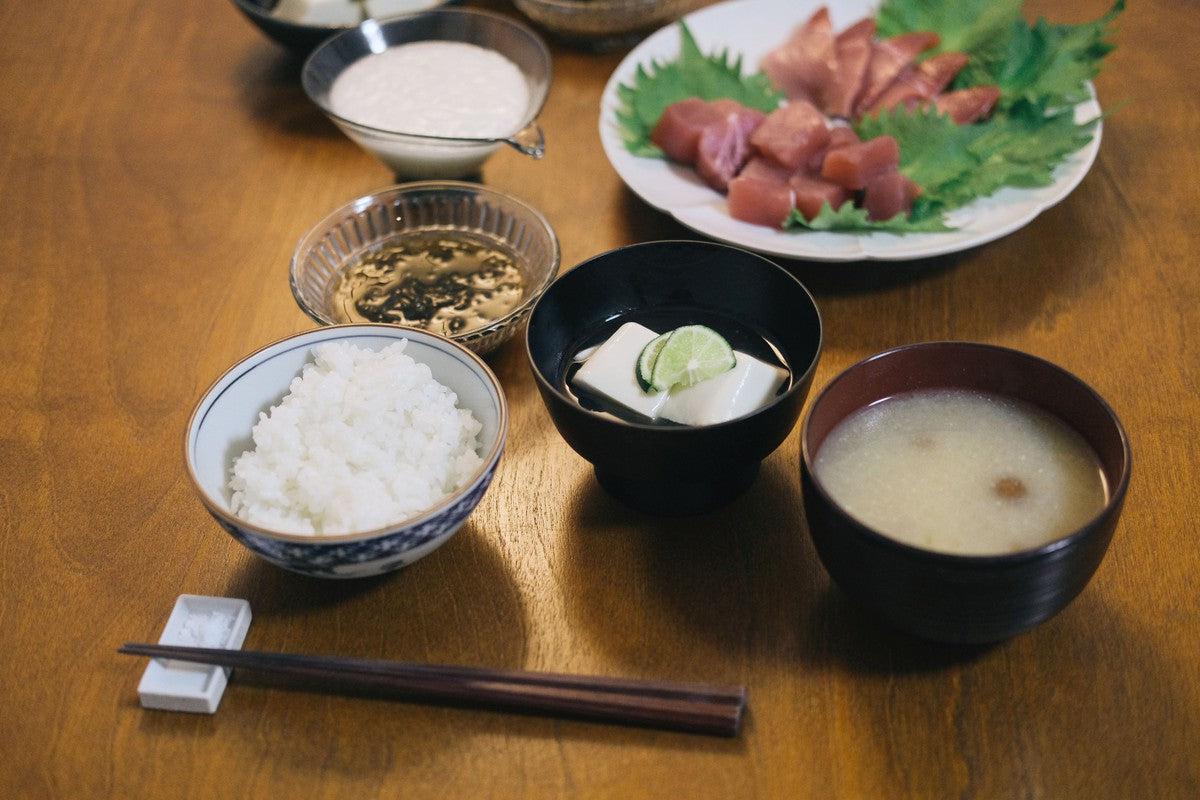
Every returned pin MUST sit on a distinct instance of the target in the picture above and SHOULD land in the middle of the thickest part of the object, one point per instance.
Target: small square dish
(196, 621)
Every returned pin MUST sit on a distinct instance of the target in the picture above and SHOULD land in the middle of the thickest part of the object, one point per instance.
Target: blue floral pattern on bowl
(363, 558)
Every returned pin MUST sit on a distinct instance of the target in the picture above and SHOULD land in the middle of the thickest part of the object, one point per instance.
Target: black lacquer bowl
(962, 598)
(298, 37)
(674, 469)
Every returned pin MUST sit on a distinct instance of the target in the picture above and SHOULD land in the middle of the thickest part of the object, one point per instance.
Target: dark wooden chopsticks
(690, 707)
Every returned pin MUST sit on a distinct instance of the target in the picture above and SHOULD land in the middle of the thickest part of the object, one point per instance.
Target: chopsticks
(689, 707)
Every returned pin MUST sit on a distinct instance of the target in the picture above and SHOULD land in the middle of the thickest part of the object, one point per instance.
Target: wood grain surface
(158, 162)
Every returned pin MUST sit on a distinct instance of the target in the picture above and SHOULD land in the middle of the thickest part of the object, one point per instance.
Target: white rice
(364, 439)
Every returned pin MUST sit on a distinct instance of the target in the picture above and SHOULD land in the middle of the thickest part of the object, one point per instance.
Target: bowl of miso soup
(448, 257)
(675, 368)
(964, 492)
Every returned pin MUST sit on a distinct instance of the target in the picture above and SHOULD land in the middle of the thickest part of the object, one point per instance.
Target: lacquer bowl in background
(219, 431)
(674, 469)
(301, 37)
(948, 597)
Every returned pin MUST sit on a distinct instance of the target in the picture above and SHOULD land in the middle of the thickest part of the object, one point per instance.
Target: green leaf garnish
(851, 218)
(956, 164)
(966, 26)
(692, 74)
(1042, 71)
(1044, 64)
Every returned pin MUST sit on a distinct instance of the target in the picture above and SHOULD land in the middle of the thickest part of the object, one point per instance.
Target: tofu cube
(611, 371)
(749, 386)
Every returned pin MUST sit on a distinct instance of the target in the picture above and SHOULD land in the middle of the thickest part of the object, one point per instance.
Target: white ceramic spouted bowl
(418, 156)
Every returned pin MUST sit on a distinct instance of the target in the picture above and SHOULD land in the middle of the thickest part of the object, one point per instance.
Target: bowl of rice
(350, 450)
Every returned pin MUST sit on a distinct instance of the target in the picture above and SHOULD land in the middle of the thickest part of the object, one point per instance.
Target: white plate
(751, 28)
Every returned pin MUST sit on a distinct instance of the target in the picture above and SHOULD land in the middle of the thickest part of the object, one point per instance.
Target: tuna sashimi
(854, 165)
(679, 128)
(888, 58)
(764, 169)
(686, 124)
(853, 51)
(723, 149)
(747, 119)
(842, 135)
(968, 105)
(889, 194)
(812, 193)
(839, 136)
(803, 67)
(762, 202)
(790, 135)
(918, 84)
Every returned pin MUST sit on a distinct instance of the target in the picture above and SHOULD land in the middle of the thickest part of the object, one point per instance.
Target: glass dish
(418, 156)
(385, 216)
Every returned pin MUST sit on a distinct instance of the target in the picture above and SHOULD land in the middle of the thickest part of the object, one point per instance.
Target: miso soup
(962, 472)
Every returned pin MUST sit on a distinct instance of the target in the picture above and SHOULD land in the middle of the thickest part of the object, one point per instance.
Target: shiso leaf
(1044, 64)
(966, 26)
(1042, 71)
(851, 218)
(956, 164)
(691, 74)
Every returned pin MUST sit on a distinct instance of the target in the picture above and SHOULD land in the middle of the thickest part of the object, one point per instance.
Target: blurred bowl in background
(604, 24)
(301, 25)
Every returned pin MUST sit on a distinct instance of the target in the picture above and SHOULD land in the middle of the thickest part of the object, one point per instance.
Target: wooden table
(158, 162)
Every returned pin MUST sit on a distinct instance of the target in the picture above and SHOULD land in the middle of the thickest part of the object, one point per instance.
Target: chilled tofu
(749, 386)
(611, 371)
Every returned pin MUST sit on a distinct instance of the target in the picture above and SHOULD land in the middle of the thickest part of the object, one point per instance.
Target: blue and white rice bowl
(219, 431)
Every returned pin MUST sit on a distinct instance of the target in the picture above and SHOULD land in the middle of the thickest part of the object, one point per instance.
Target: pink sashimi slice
(764, 169)
(803, 67)
(747, 119)
(714, 136)
(917, 84)
(839, 136)
(761, 202)
(792, 134)
(854, 165)
(678, 130)
(888, 58)
(723, 149)
(889, 194)
(812, 193)
(853, 48)
(968, 105)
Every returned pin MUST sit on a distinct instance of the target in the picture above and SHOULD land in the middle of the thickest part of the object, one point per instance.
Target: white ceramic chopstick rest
(196, 621)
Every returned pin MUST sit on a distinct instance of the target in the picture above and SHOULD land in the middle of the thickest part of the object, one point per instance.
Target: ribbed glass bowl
(385, 216)
(604, 24)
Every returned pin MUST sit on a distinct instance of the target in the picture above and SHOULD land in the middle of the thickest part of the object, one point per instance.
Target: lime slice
(692, 354)
(645, 362)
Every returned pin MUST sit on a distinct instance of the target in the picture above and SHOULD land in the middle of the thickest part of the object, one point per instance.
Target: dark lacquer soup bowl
(674, 470)
(944, 596)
